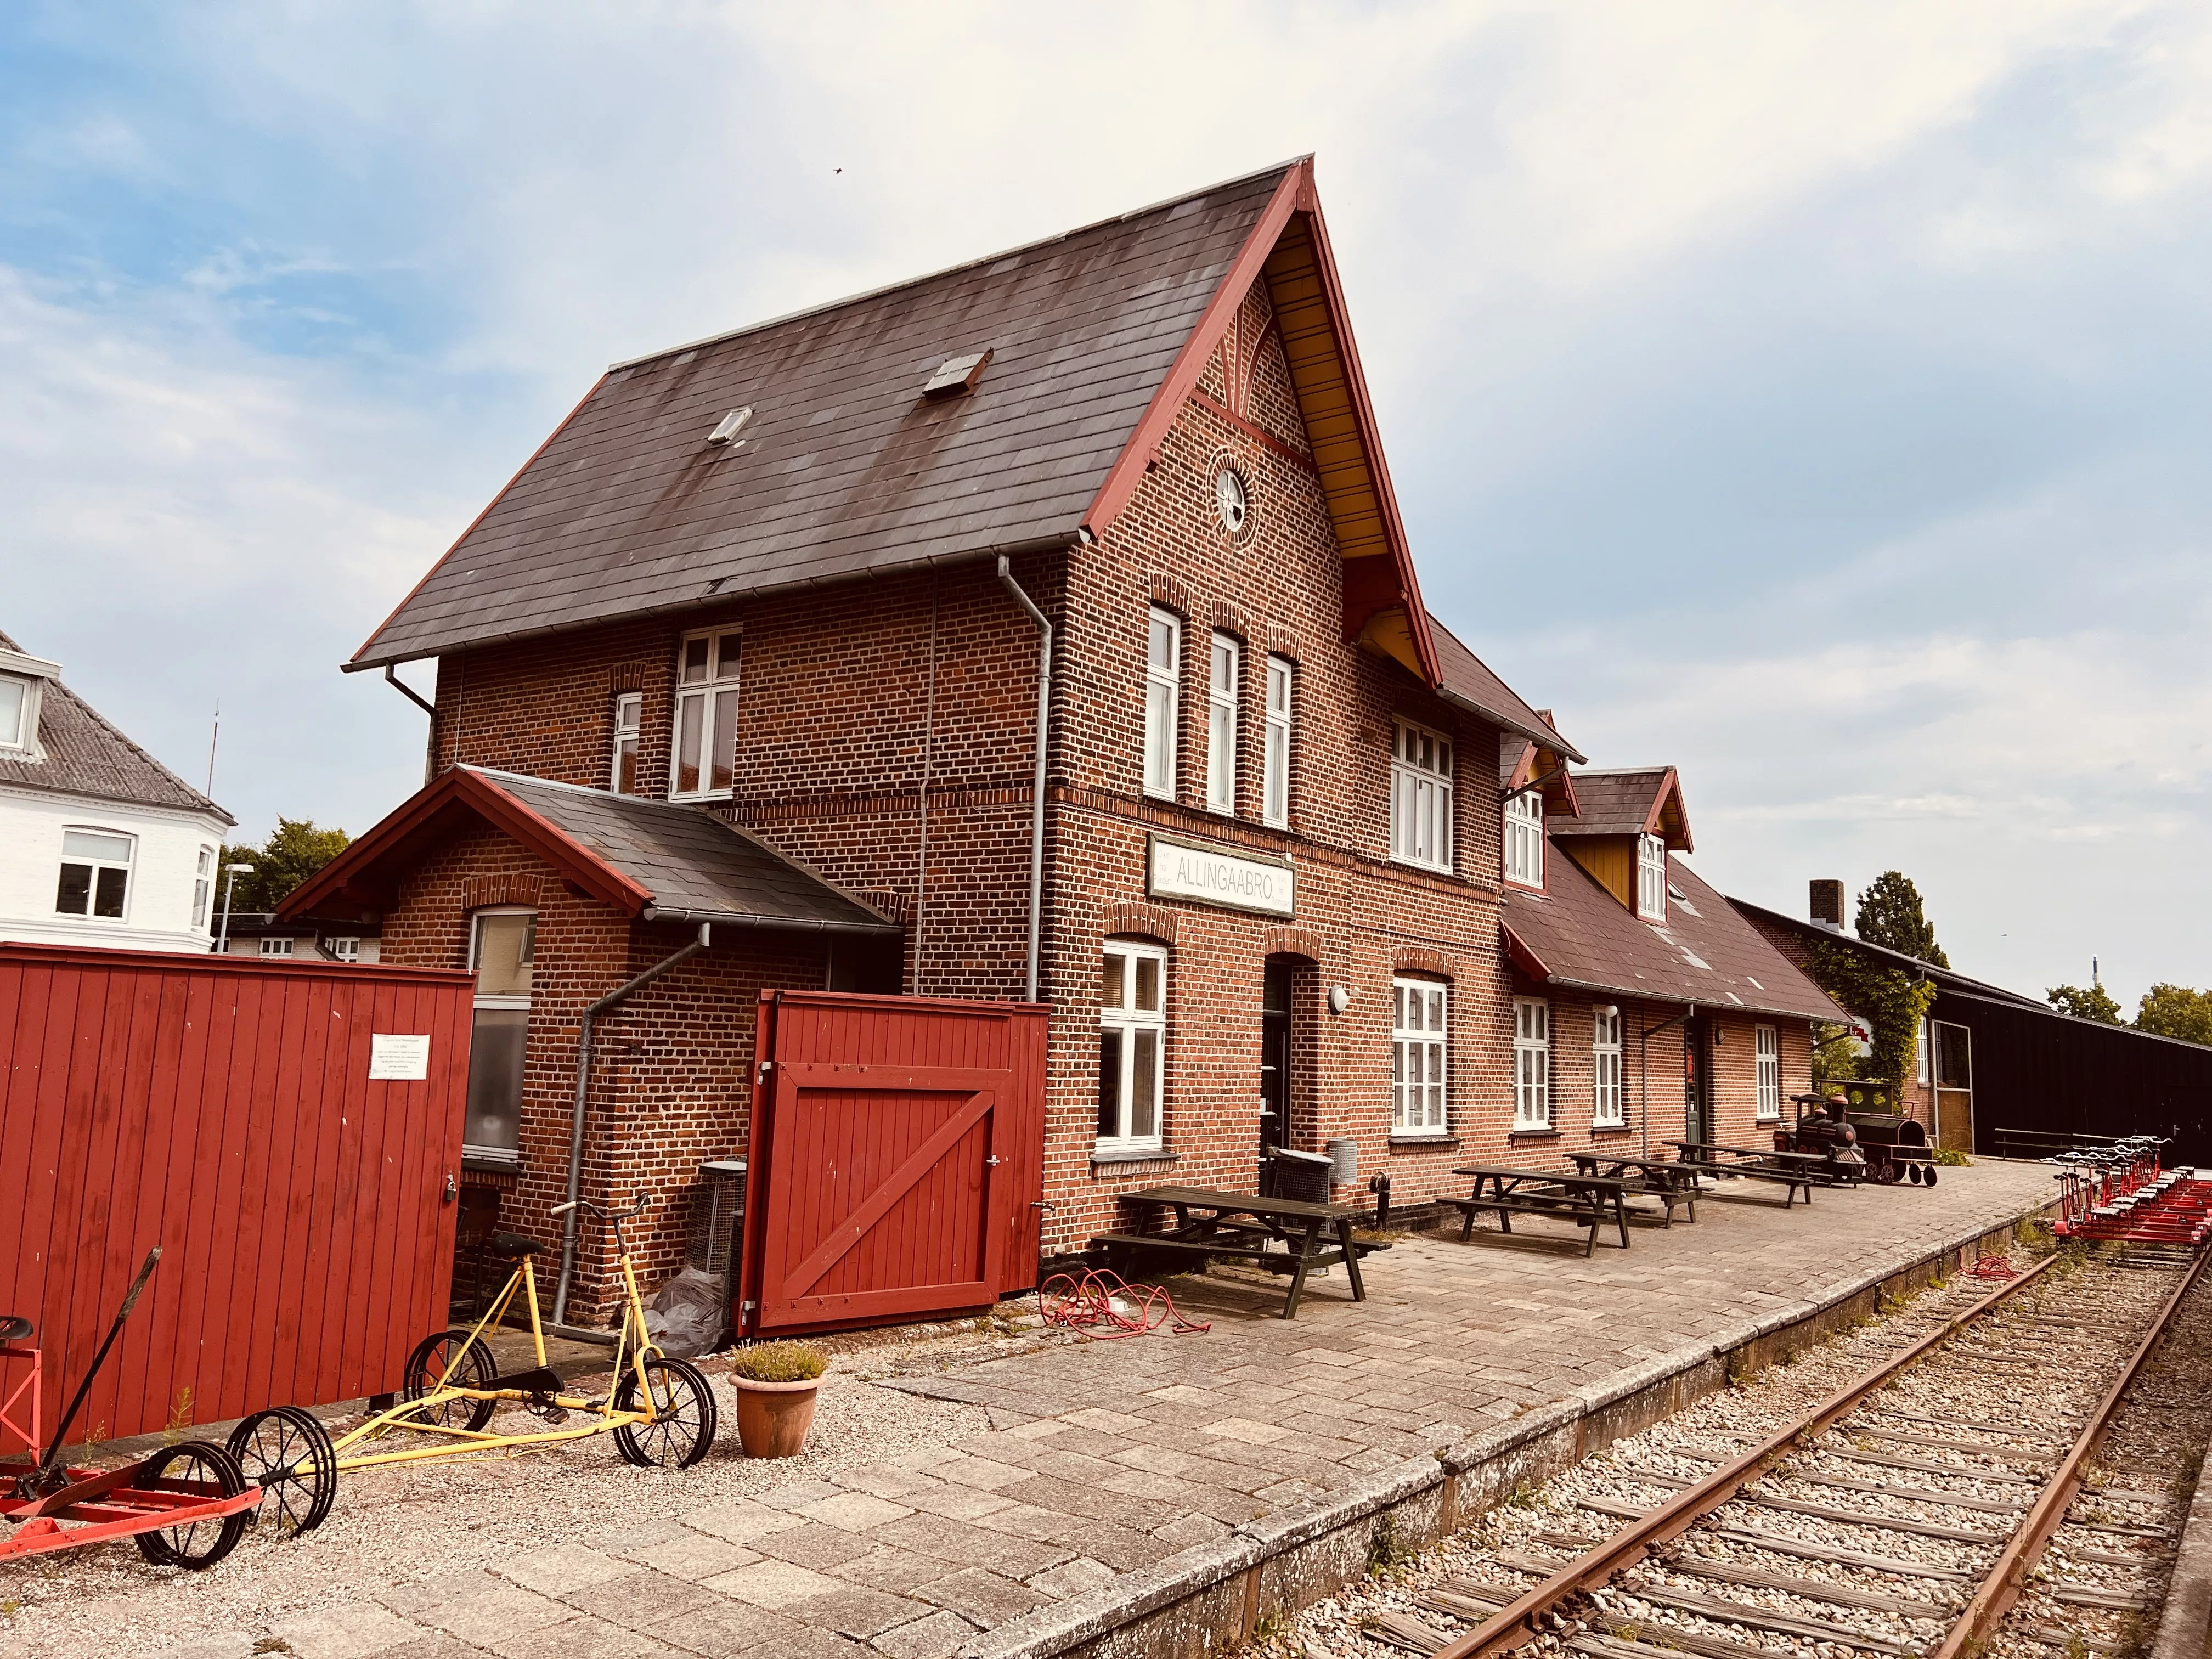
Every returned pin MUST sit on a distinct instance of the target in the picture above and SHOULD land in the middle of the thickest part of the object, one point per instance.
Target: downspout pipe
(583, 1093)
(430, 744)
(1644, 1065)
(1037, 791)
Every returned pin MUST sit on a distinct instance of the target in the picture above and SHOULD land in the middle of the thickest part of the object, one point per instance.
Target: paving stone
(1075, 1578)
(855, 1511)
(580, 1637)
(693, 1556)
(894, 1570)
(860, 1613)
(740, 1521)
(411, 1597)
(926, 1638)
(487, 1616)
(652, 1602)
(814, 1545)
(986, 1475)
(965, 1546)
(958, 1502)
(982, 1596)
(558, 1569)
(773, 1583)
(355, 1633)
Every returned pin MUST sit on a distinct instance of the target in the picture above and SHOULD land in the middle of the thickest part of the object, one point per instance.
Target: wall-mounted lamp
(1609, 1011)
(1340, 997)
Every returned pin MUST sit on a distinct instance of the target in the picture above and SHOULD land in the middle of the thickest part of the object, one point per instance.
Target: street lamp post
(234, 871)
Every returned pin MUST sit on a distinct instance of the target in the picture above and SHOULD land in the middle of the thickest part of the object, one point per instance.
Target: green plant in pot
(776, 1382)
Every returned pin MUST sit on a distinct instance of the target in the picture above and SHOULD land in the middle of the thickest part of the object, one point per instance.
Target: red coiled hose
(1088, 1304)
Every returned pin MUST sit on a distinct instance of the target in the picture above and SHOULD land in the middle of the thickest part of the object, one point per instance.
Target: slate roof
(650, 858)
(1576, 934)
(84, 755)
(845, 468)
(688, 860)
(1468, 680)
(1618, 803)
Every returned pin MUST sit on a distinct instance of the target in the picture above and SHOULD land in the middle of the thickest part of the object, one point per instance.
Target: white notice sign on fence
(1215, 875)
(398, 1059)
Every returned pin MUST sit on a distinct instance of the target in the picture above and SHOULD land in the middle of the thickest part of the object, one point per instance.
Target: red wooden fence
(223, 1110)
(897, 1153)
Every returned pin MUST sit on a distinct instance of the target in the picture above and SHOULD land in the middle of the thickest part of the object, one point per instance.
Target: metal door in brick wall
(897, 1159)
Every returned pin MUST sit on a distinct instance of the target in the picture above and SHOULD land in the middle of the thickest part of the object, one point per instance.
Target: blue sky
(1811, 397)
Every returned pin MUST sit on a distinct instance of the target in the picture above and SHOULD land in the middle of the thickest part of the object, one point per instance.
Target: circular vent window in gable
(1230, 501)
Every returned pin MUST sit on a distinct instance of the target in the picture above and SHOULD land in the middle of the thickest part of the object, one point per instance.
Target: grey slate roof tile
(84, 755)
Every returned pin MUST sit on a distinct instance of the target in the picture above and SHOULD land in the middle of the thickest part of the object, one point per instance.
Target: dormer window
(1524, 839)
(1652, 878)
(14, 706)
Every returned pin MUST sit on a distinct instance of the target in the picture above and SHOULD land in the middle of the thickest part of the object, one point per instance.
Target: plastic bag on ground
(688, 1315)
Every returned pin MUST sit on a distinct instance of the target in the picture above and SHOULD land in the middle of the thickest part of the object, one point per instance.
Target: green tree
(1890, 915)
(295, 851)
(2096, 1003)
(2175, 1011)
(1888, 998)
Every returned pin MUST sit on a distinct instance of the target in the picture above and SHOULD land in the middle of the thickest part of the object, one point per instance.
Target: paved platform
(1114, 1466)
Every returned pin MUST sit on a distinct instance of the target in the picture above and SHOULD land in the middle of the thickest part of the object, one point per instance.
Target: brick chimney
(1828, 903)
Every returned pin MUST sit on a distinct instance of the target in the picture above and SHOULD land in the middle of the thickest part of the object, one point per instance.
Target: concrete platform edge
(1214, 1595)
(2186, 1624)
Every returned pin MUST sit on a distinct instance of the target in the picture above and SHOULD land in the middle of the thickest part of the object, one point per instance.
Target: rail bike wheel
(432, 1367)
(1928, 1175)
(684, 1413)
(287, 1453)
(1884, 1173)
(192, 1466)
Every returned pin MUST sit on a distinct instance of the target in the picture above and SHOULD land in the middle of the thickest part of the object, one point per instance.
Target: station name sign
(1194, 871)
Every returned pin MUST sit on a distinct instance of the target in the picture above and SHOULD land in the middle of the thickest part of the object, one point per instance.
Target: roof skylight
(957, 375)
(732, 423)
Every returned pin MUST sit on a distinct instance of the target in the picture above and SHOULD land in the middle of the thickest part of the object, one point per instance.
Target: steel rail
(1514, 1623)
(2002, 1585)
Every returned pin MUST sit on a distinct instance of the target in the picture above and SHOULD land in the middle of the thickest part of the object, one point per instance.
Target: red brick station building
(1045, 630)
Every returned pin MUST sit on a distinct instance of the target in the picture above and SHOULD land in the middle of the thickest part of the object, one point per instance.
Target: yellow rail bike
(660, 1410)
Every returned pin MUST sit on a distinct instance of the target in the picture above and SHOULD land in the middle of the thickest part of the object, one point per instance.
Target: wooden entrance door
(1697, 1080)
(896, 1160)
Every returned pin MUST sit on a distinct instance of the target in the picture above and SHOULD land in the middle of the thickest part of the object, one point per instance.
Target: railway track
(1903, 1516)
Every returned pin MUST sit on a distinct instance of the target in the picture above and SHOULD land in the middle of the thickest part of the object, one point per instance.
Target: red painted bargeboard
(222, 1108)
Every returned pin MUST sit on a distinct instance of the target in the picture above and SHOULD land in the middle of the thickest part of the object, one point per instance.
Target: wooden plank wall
(223, 1108)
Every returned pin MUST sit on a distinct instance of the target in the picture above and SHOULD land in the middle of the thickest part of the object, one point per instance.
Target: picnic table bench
(1587, 1201)
(1792, 1170)
(1666, 1179)
(1283, 1235)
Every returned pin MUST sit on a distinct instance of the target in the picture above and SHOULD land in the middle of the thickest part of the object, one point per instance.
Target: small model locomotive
(1878, 1146)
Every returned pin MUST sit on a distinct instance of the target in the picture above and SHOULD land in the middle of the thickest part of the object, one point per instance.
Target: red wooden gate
(898, 1156)
(223, 1108)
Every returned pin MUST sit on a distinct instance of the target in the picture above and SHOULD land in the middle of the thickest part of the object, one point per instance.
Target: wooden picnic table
(1666, 1179)
(1289, 1235)
(1585, 1200)
(1793, 1171)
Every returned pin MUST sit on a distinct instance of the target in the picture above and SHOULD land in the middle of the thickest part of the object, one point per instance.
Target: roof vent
(732, 423)
(958, 375)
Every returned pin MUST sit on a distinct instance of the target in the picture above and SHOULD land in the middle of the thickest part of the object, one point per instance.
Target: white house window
(1524, 839)
(706, 715)
(1605, 1067)
(1419, 1057)
(1275, 790)
(1766, 1049)
(272, 946)
(1221, 725)
(1921, 1051)
(204, 887)
(1133, 1035)
(1652, 878)
(1162, 693)
(96, 874)
(630, 717)
(346, 949)
(1421, 798)
(15, 707)
(502, 951)
(1532, 1063)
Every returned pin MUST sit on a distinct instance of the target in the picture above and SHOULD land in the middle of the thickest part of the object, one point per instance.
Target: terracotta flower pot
(773, 1418)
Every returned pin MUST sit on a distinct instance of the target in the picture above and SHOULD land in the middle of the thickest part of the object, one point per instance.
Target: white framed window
(273, 946)
(96, 879)
(629, 718)
(1652, 878)
(346, 948)
(1275, 762)
(1524, 839)
(204, 887)
(1532, 1063)
(1421, 798)
(1420, 1057)
(1766, 1048)
(1163, 700)
(503, 954)
(1606, 1109)
(1226, 658)
(706, 742)
(19, 710)
(1133, 1039)
(1921, 1049)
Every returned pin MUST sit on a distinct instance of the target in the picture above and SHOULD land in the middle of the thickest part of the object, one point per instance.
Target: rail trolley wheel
(1884, 1173)
(197, 1467)
(431, 1367)
(1928, 1175)
(682, 1428)
(287, 1453)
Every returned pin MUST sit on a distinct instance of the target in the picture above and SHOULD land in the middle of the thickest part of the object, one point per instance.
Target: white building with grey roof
(99, 843)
